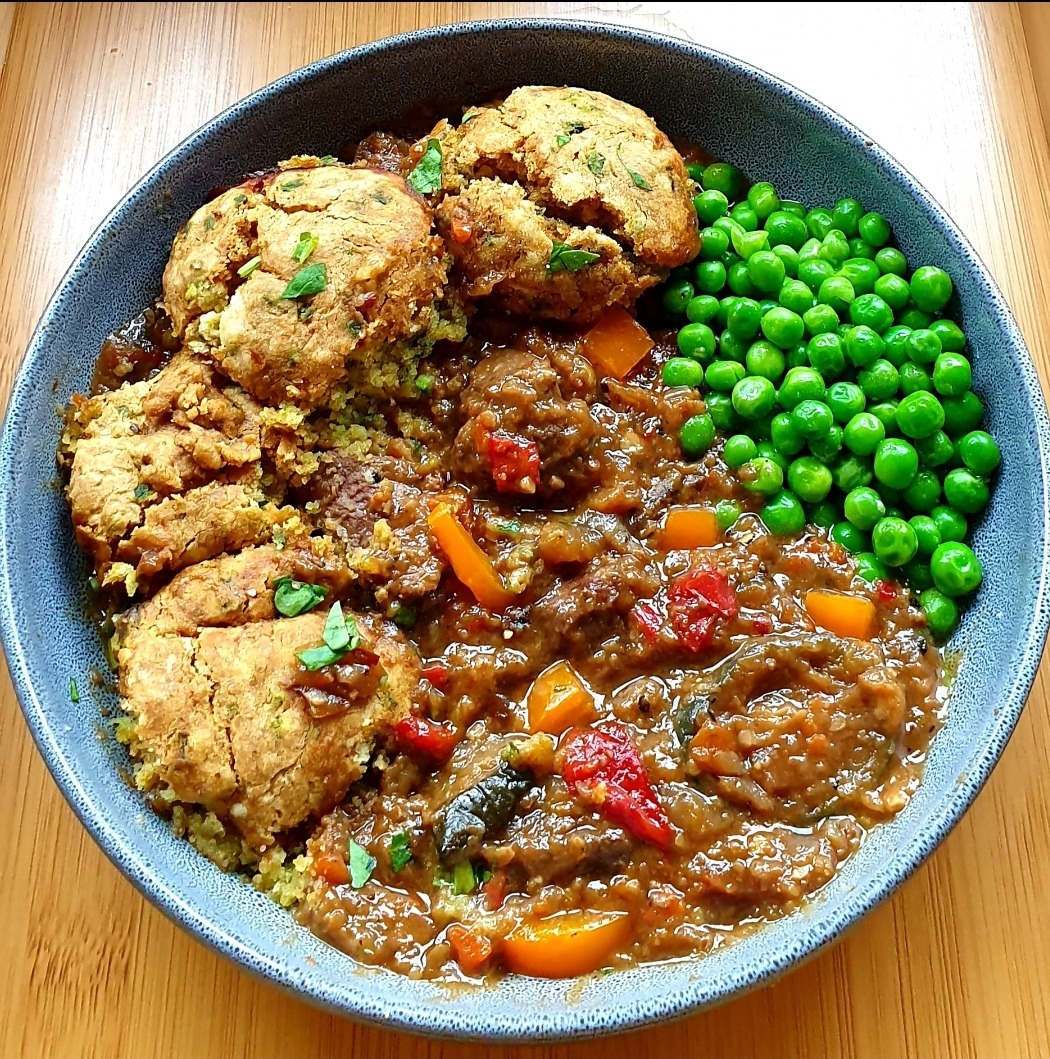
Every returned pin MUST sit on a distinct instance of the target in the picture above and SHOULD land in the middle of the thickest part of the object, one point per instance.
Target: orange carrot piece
(843, 615)
(689, 527)
(558, 700)
(471, 950)
(616, 343)
(565, 945)
(471, 565)
(330, 867)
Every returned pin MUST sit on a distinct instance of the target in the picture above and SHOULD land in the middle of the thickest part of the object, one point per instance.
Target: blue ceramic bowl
(772, 131)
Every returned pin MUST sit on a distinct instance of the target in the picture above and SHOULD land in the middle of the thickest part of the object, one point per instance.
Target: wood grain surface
(956, 964)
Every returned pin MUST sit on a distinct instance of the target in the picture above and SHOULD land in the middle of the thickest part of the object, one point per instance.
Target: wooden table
(956, 964)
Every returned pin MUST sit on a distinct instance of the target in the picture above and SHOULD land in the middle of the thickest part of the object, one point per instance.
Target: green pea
(886, 413)
(812, 418)
(723, 375)
(714, 242)
(701, 309)
(766, 270)
(870, 567)
(825, 514)
(894, 541)
(874, 229)
(924, 347)
(820, 320)
(793, 207)
(942, 614)
(952, 375)
(951, 525)
(697, 434)
(796, 296)
(754, 397)
(825, 353)
(800, 384)
(739, 280)
(683, 371)
(872, 311)
(784, 227)
(769, 451)
(696, 340)
(710, 205)
(924, 491)
(879, 381)
(723, 415)
(743, 318)
(789, 256)
(845, 399)
(783, 514)
(809, 479)
(931, 288)
(935, 450)
(920, 414)
(819, 223)
(796, 356)
(850, 472)
(724, 305)
(738, 450)
(746, 217)
(860, 249)
(962, 414)
(915, 379)
(845, 215)
(763, 199)
(896, 463)
(785, 436)
(861, 273)
(851, 538)
(836, 292)
(730, 347)
(695, 171)
(979, 452)
(814, 271)
(863, 433)
(726, 513)
(763, 358)
(863, 345)
(834, 248)
(721, 176)
(927, 534)
(956, 570)
(863, 507)
(916, 319)
(676, 296)
(828, 445)
(965, 491)
(891, 261)
(748, 243)
(917, 573)
(893, 291)
(761, 475)
(783, 327)
(896, 341)
(950, 334)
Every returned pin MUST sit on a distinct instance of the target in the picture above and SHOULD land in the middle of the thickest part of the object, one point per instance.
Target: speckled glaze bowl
(772, 131)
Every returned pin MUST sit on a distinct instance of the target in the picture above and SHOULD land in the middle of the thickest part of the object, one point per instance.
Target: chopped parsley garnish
(328, 159)
(305, 247)
(568, 258)
(310, 280)
(463, 881)
(562, 140)
(362, 864)
(305, 312)
(291, 598)
(400, 852)
(596, 163)
(424, 383)
(469, 114)
(143, 492)
(240, 200)
(290, 185)
(340, 636)
(74, 694)
(405, 616)
(426, 177)
(355, 327)
(510, 528)
(249, 267)
(209, 223)
(639, 180)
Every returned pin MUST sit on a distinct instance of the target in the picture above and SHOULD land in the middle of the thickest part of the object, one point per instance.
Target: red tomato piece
(649, 620)
(514, 462)
(426, 738)
(886, 590)
(697, 602)
(437, 674)
(604, 768)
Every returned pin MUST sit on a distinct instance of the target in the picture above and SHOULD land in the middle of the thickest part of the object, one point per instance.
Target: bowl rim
(538, 1024)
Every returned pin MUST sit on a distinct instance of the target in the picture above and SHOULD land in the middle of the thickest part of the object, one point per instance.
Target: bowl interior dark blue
(739, 114)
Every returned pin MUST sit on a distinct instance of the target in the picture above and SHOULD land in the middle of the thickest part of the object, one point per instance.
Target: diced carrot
(331, 867)
(472, 950)
(616, 343)
(558, 700)
(689, 527)
(843, 615)
(471, 565)
(565, 945)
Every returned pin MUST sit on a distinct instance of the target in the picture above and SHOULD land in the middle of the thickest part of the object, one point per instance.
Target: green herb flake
(209, 223)
(568, 258)
(510, 528)
(74, 693)
(562, 140)
(463, 879)
(424, 383)
(400, 851)
(93, 583)
(328, 159)
(405, 616)
(240, 200)
(362, 864)
(292, 598)
(310, 280)
(470, 114)
(336, 631)
(315, 658)
(249, 267)
(596, 163)
(291, 185)
(639, 180)
(426, 177)
(142, 492)
(305, 247)
(305, 312)
(355, 327)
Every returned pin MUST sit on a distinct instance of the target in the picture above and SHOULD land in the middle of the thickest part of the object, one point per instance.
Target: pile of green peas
(842, 390)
